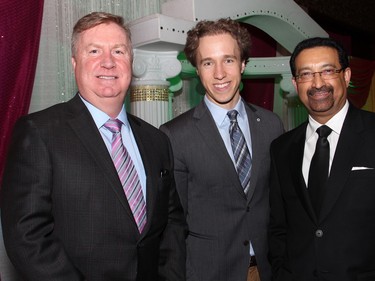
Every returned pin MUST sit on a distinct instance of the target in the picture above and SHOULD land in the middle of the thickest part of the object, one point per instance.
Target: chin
(109, 93)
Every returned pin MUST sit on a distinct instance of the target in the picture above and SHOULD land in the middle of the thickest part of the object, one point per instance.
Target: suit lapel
(84, 127)
(257, 142)
(296, 153)
(210, 134)
(349, 141)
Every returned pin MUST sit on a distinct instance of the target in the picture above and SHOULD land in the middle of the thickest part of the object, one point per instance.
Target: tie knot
(232, 115)
(114, 125)
(324, 131)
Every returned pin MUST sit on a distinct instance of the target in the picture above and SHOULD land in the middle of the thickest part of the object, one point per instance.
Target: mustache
(324, 88)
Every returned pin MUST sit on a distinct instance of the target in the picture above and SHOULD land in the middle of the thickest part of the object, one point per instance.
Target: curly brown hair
(220, 26)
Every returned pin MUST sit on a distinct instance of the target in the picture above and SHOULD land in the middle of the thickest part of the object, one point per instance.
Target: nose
(107, 61)
(318, 81)
(219, 72)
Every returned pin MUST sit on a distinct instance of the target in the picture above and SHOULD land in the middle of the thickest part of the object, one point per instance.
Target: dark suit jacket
(221, 219)
(65, 215)
(338, 245)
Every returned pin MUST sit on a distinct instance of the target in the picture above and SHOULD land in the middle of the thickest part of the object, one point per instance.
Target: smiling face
(219, 67)
(102, 66)
(322, 98)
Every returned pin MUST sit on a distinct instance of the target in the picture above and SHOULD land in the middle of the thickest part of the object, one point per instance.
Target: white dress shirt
(335, 123)
(127, 138)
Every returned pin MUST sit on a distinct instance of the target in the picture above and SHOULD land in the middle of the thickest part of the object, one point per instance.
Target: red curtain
(360, 82)
(20, 26)
(362, 71)
(260, 91)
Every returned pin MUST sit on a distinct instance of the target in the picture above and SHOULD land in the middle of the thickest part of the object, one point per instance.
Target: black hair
(319, 42)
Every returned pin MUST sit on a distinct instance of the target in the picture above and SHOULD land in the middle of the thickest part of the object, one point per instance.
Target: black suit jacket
(65, 215)
(339, 244)
(221, 218)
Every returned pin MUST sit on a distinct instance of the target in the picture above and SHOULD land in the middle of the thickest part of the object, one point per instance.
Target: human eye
(118, 52)
(207, 63)
(306, 75)
(93, 51)
(329, 72)
(229, 60)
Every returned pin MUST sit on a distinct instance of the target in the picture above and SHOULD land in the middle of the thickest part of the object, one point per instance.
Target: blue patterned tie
(241, 152)
(127, 174)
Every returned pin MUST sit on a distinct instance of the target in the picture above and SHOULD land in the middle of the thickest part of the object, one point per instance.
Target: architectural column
(294, 113)
(287, 85)
(150, 90)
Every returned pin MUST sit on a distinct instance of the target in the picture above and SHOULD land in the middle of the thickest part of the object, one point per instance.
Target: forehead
(106, 32)
(317, 56)
(218, 44)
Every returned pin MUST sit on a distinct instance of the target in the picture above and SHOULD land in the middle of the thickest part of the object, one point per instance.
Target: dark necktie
(127, 174)
(318, 174)
(241, 152)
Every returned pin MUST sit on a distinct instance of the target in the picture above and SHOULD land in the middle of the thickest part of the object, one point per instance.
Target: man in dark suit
(227, 219)
(324, 231)
(65, 212)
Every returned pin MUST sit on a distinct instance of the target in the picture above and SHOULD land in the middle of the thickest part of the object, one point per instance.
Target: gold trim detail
(149, 93)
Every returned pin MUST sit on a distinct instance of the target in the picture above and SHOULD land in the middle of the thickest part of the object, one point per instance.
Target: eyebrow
(225, 57)
(322, 66)
(98, 45)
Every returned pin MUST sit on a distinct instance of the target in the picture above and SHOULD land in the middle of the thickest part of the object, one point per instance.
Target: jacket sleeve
(27, 218)
(277, 224)
(172, 265)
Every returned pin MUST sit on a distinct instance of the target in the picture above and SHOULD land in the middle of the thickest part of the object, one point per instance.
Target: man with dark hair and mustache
(322, 222)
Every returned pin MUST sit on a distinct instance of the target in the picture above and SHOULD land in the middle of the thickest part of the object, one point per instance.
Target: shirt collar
(101, 117)
(335, 123)
(219, 114)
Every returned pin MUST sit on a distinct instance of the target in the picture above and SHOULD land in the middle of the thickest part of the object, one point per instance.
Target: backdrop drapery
(20, 25)
(260, 91)
(54, 82)
(21, 36)
(360, 82)
(370, 103)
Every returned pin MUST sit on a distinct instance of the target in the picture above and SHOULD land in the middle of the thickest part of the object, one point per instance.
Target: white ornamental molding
(151, 67)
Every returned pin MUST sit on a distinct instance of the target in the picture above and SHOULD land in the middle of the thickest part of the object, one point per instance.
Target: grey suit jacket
(339, 244)
(65, 215)
(221, 218)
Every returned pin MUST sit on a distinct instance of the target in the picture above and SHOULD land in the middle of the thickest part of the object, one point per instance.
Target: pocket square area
(361, 168)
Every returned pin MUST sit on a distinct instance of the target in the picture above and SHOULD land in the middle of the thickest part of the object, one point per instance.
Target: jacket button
(319, 233)
(246, 242)
(247, 209)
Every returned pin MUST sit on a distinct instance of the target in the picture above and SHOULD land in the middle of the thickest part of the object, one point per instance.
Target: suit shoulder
(272, 123)
(180, 120)
(368, 115)
(288, 136)
(146, 127)
(268, 117)
(263, 112)
(144, 124)
(46, 116)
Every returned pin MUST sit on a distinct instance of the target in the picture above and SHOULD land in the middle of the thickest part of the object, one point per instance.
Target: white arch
(283, 20)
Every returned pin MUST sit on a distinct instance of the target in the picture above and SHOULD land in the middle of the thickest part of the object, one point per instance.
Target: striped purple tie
(127, 174)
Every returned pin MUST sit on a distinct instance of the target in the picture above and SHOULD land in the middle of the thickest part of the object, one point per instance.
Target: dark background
(351, 19)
